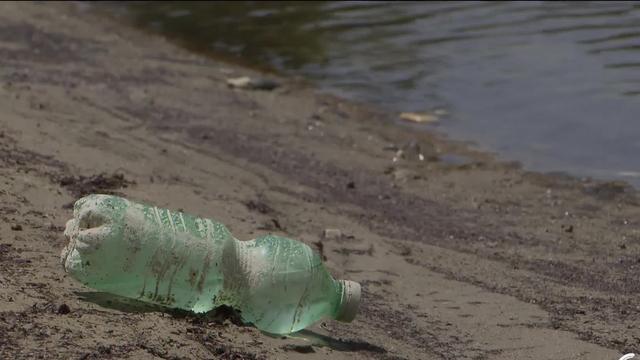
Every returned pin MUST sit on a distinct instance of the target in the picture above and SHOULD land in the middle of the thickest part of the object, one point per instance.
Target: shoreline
(458, 259)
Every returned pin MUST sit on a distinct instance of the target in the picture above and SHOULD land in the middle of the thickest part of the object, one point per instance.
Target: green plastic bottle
(181, 261)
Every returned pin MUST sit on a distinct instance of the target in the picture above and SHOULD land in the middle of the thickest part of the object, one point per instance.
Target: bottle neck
(349, 300)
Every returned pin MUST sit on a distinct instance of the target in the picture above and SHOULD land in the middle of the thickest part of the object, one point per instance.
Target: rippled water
(554, 85)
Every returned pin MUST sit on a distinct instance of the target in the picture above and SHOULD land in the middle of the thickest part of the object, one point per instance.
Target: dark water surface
(553, 85)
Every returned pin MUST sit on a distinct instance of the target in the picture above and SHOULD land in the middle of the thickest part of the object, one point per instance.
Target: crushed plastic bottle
(181, 261)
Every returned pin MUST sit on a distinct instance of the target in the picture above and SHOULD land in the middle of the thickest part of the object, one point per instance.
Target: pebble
(16, 227)
(63, 309)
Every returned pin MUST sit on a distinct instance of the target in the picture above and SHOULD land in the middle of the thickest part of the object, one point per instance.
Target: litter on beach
(419, 117)
(245, 82)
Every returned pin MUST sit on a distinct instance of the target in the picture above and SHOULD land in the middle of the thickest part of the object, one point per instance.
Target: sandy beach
(460, 256)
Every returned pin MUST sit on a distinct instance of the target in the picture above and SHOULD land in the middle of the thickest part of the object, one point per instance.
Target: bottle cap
(350, 301)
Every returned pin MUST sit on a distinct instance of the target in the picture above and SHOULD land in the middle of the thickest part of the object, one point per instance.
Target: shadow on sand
(219, 315)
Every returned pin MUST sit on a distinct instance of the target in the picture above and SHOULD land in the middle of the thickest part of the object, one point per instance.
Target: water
(555, 86)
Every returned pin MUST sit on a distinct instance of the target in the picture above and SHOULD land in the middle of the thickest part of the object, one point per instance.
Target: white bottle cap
(350, 301)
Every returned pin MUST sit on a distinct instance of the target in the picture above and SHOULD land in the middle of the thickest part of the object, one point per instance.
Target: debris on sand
(413, 150)
(259, 206)
(303, 349)
(272, 224)
(424, 118)
(245, 82)
(80, 186)
(402, 175)
(345, 251)
(332, 234)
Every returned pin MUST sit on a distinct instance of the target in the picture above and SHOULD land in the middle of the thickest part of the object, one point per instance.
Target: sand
(460, 256)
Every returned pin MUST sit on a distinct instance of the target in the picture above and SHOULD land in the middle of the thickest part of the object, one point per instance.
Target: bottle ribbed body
(279, 284)
(181, 261)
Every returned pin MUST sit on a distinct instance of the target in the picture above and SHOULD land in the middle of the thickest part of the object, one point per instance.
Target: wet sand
(460, 256)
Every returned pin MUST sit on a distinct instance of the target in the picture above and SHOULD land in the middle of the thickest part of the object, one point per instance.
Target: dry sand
(458, 260)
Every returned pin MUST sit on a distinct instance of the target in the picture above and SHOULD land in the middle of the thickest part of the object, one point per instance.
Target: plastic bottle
(181, 261)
